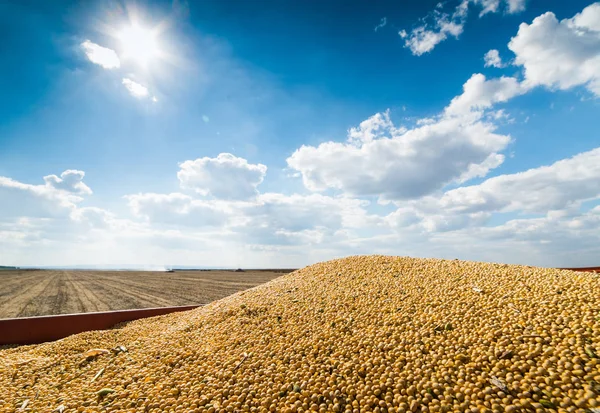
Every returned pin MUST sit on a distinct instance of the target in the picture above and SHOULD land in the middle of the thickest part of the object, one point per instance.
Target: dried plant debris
(24, 405)
(105, 391)
(119, 349)
(499, 384)
(97, 375)
(95, 352)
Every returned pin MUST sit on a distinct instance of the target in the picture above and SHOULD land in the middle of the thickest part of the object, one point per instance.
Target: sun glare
(139, 44)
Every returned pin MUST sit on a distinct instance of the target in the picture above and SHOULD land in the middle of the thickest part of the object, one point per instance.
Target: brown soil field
(27, 293)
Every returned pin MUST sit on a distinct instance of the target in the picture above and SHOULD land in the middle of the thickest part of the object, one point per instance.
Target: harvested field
(362, 334)
(26, 293)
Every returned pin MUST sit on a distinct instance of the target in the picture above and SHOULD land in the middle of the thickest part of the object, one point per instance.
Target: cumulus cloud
(102, 56)
(425, 38)
(562, 241)
(223, 177)
(92, 216)
(557, 190)
(298, 212)
(560, 54)
(277, 219)
(272, 219)
(177, 209)
(243, 214)
(481, 93)
(58, 197)
(552, 240)
(70, 180)
(538, 190)
(396, 163)
(439, 25)
(492, 59)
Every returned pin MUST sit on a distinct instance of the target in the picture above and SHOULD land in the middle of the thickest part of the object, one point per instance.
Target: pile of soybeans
(361, 334)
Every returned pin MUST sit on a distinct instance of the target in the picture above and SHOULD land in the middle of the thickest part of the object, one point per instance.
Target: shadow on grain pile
(373, 333)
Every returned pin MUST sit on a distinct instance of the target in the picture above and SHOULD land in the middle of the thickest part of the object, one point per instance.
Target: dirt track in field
(27, 293)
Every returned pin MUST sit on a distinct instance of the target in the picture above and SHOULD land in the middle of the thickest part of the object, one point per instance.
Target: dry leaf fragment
(98, 374)
(22, 363)
(24, 405)
(119, 349)
(244, 357)
(498, 383)
(104, 392)
(95, 352)
(590, 352)
(60, 409)
(511, 305)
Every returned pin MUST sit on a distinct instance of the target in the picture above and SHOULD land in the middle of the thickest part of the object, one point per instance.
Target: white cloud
(516, 6)
(136, 89)
(561, 54)
(493, 6)
(557, 190)
(487, 6)
(177, 209)
(492, 59)
(381, 24)
(105, 57)
(298, 212)
(243, 214)
(270, 219)
(480, 93)
(57, 198)
(35, 219)
(176, 228)
(561, 185)
(52, 207)
(396, 163)
(423, 40)
(562, 241)
(277, 219)
(70, 180)
(425, 37)
(224, 177)
(93, 216)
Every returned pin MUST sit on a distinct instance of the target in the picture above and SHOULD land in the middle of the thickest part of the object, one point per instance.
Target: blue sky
(280, 133)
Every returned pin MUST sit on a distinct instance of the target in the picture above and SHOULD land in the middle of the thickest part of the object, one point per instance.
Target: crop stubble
(27, 293)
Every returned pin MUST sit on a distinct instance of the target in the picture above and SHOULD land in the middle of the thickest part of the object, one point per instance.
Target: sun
(139, 44)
